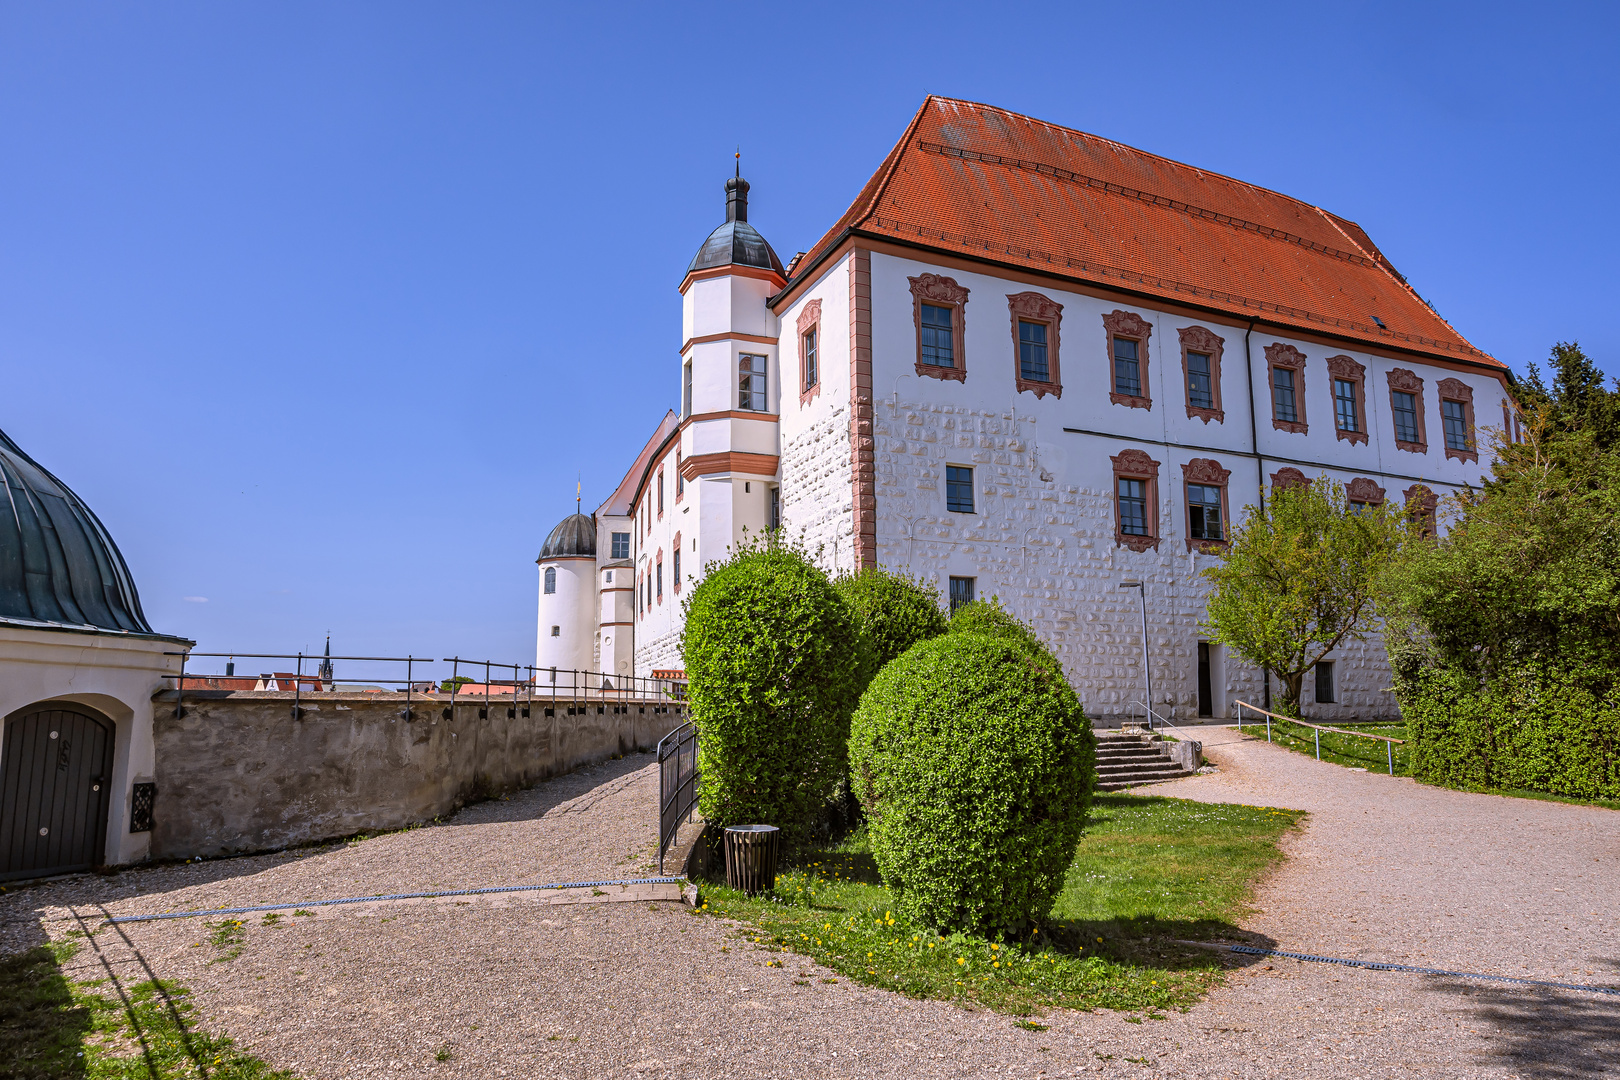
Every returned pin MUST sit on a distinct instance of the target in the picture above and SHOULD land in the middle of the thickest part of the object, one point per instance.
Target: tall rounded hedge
(975, 765)
(774, 661)
(895, 611)
(989, 618)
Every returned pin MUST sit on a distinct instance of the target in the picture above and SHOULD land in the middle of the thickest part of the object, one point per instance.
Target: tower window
(961, 592)
(551, 579)
(556, 631)
(686, 389)
(751, 383)
(621, 545)
(938, 345)
(680, 481)
(958, 489)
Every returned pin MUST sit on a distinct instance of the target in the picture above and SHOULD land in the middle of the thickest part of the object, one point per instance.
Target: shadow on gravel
(1546, 1034)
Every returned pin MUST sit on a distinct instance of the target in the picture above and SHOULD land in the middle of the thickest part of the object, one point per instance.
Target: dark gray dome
(735, 242)
(574, 535)
(57, 563)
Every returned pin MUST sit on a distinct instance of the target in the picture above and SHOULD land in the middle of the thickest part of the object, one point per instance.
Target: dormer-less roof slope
(988, 184)
(622, 503)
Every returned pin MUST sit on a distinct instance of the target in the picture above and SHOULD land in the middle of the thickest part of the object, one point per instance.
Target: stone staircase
(1127, 758)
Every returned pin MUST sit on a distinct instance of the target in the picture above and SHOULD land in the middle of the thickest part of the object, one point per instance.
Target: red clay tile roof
(622, 503)
(989, 184)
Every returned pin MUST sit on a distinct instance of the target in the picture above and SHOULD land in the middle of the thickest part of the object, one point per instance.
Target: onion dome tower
(731, 381)
(568, 597)
(58, 565)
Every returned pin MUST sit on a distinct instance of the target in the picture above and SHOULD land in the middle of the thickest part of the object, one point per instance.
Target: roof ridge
(1127, 147)
(1057, 172)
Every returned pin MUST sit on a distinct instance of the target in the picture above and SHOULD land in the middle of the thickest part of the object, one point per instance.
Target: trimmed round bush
(895, 611)
(774, 661)
(989, 618)
(975, 764)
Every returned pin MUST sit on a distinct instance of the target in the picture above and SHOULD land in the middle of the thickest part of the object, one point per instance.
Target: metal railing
(677, 784)
(1389, 743)
(518, 693)
(1152, 716)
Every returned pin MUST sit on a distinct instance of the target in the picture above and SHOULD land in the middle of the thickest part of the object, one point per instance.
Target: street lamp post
(1147, 671)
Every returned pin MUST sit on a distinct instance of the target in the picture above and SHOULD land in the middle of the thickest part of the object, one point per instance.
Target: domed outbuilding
(79, 665)
(568, 599)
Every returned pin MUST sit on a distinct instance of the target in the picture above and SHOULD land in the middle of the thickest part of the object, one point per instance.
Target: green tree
(1300, 578)
(774, 661)
(451, 685)
(1581, 397)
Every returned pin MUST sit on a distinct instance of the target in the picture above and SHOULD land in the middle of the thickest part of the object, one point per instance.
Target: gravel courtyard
(1384, 868)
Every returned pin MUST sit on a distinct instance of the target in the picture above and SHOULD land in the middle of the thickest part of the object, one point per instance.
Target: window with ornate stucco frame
(1135, 466)
(1130, 327)
(1288, 477)
(938, 291)
(1345, 369)
(1420, 507)
(1281, 357)
(1202, 341)
(1364, 491)
(1461, 394)
(1207, 473)
(1040, 311)
(1402, 381)
(809, 328)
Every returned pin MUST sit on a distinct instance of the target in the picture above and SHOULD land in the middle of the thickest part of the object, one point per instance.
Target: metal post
(298, 681)
(1389, 748)
(1268, 727)
(1318, 735)
(407, 688)
(180, 690)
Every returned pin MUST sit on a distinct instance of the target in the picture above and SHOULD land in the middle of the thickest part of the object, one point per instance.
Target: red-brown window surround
(1289, 358)
(1343, 367)
(941, 292)
(1420, 506)
(1035, 308)
(1288, 477)
(1206, 471)
(1363, 490)
(1136, 465)
(1201, 339)
(1128, 324)
(810, 320)
(1459, 391)
(1408, 382)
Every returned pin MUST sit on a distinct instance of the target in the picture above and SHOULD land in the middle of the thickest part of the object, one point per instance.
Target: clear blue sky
(322, 306)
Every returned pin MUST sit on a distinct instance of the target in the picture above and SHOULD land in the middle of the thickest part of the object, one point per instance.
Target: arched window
(551, 579)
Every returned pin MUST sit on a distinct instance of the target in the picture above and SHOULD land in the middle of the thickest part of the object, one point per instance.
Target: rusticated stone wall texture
(237, 773)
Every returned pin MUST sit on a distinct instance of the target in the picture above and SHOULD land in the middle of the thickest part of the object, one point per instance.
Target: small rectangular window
(961, 592)
(1456, 422)
(751, 383)
(1405, 408)
(621, 545)
(1127, 368)
(1199, 392)
(958, 489)
(660, 575)
(1133, 507)
(686, 389)
(677, 569)
(1282, 388)
(660, 492)
(938, 343)
(1324, 682)
(1032, 351)
(1344, 405)
(680, 481)
(775, 519)
(811, 374)
(556, 631)
(1204, 512)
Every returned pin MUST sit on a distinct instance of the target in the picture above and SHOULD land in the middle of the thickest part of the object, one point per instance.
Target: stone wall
(237, 773)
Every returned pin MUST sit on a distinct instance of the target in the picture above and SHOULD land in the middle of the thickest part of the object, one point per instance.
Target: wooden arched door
(55, 774)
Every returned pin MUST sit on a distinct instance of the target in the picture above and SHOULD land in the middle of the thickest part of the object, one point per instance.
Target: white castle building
(1034, 364)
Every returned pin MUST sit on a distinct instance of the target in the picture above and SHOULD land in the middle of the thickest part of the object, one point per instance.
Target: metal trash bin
(751, 856)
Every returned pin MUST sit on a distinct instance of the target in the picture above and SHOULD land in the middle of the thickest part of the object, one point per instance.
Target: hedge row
(1537, 728)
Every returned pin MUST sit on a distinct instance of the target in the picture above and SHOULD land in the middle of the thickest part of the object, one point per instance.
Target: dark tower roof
(574, 535)
(736, 243)
(57, 563)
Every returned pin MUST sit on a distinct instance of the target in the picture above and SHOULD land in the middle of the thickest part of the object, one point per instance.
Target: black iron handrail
(677, 784)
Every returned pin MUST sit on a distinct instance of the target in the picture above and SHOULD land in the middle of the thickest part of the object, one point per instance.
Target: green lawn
(1347, 750)
(1149, 871)
(54, 1026)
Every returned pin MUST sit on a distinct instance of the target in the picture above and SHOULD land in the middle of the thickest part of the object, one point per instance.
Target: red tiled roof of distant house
(992, 185)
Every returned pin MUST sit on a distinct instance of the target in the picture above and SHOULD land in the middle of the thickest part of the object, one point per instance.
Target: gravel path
(1385, 868)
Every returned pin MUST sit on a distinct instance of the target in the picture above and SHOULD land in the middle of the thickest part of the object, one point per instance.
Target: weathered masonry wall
(238, 773)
